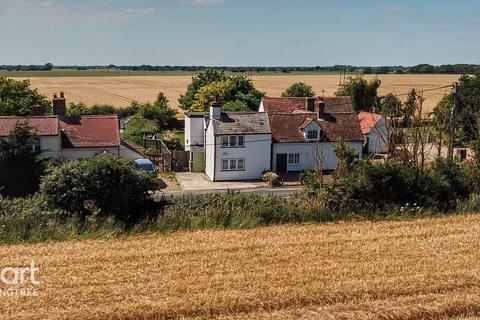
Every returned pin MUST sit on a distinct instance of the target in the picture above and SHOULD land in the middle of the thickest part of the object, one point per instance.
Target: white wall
(256, 154)
(194, 131)
(209, 151)
(50, 146)
(82, 153)
(312, 155)
(378, 138)
(261, 107)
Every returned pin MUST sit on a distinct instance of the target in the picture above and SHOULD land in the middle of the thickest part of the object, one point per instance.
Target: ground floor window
(233, 164)
(294, 158)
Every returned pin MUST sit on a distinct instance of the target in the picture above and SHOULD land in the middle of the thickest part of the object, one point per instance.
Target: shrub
(171, 140)
(104, 185)
(311, 179)
(271, 178)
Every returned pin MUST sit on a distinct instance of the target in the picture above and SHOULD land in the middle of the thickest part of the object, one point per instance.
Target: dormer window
(312, 135)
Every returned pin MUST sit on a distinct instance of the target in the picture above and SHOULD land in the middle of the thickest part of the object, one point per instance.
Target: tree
(299, 89)
(104, 185)
(468, 107)
(20, 164)
(362, 92)
(136, 127)
(202, 79)
(441, 117)
(390, 105)
(159, 111)
(16, 98)
(236, 89)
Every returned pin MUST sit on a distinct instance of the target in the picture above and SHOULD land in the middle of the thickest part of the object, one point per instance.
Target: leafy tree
(202, 79)
(16, 98)
(299, 89)
(414, 100)
(236, 105)
(362, 92)
(208, 93)
(20, 165)
(468, 110)
(104, 185)
(77, 109)
(441, 117)
(160, 111)
(390, 105)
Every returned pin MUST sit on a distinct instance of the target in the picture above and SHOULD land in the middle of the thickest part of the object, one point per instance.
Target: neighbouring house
(376, 132)
(237, 144)
(286, 135)
(72, 138)
(305, 131)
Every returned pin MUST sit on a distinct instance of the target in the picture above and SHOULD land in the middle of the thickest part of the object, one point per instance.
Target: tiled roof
(368, 120)
(332, 104)
(42, 126)
(242, 123)
(287, 127)
(90, 131)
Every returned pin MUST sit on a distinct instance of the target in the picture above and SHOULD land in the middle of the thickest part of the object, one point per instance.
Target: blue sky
(239, 32)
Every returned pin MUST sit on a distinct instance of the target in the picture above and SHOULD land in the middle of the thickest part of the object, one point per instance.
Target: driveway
(197, 181)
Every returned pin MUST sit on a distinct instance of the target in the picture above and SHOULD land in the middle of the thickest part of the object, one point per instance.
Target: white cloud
(207, 2)
(52, 11)
(394, 8)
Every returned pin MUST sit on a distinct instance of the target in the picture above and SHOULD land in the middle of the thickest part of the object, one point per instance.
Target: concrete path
(196, 181)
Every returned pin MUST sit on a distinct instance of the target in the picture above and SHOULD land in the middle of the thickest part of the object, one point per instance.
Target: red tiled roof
(368, 120)
(332, 104)
(287, 127)
(90, 131)
(42, 126)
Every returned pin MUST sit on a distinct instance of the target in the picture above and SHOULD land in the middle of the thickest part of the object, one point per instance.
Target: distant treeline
(421, 68)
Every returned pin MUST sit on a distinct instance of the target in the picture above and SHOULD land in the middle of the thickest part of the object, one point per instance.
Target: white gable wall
(378, 138)
(50, 146)
(312, 155)
(210, 152)
(194, 131)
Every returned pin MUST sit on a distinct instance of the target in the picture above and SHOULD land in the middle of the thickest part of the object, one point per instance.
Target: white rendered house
(376, 131)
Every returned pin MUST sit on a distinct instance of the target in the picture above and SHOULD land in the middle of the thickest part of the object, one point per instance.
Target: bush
(104, 185)
(311, 179)
(271, 178)
(171, 140)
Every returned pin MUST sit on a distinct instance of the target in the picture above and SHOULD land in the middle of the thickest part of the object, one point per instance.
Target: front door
(281, 163)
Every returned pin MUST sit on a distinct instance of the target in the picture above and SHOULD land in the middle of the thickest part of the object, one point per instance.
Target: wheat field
(419, 269)
(122, 90)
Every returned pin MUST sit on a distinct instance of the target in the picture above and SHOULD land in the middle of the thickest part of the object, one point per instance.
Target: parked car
(144, 165)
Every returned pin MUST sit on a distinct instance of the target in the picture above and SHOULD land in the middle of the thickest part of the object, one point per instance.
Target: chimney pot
(216, 109)
(310, 104)
(59, 105)
(321, 109)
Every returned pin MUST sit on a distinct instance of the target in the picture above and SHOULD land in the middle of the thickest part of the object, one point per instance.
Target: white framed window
(312, 135)
(233, 141)
(294, 158)
(233, 164)
(225, 141)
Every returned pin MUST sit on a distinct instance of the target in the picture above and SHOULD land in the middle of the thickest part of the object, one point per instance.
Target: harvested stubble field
(122, 90)
(419, 269)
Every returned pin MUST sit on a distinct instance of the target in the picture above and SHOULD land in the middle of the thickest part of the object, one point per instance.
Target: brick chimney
(216, 109)
(321, 109)
(59, 105)
(310, 104)
(38, 111)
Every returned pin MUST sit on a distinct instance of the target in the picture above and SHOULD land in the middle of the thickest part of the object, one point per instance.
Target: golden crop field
(419, 269)
(122, 90)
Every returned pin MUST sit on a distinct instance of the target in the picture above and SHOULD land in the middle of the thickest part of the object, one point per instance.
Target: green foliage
(469, 106)
(20, 166)
(235, 91)
(80, 109)
(208, 93)
(362, 92)
(390, 105)
(160, 112)
(172, 140)
(311, 179)
(202, 79)
(346, 157)
(104, 185)
(16, 98)
(299, 89)
(136, 127)
(235, 106)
